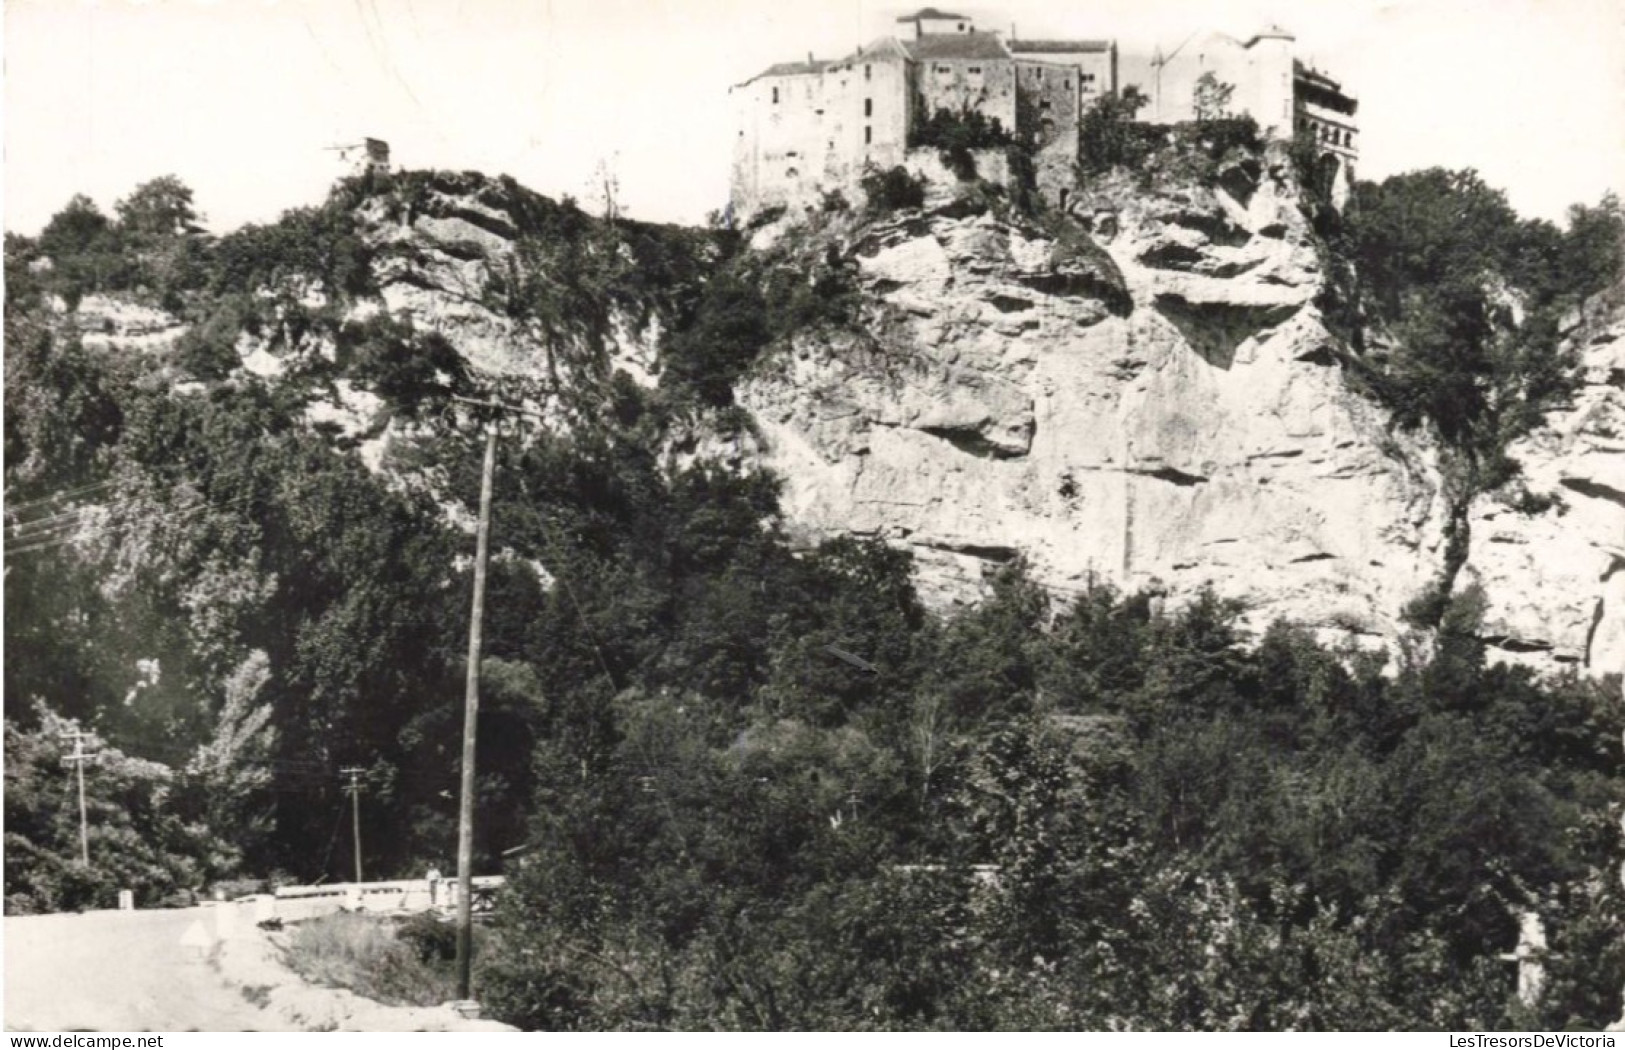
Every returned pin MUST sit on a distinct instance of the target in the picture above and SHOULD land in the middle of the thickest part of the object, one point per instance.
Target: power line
(107, 528)
(200, 465)
(61, 525)
(64, 494)
(174, 485)
(332, 840)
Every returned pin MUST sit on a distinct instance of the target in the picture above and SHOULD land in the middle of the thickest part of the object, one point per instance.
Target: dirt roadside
(193, 969)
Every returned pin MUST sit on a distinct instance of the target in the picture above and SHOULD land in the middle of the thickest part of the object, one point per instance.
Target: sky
(240, 98)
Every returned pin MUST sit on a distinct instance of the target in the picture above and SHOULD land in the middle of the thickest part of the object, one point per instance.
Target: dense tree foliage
(1098, 815)
(1461, 316)
(1472, 297)
(956, 134)
(1108, 135)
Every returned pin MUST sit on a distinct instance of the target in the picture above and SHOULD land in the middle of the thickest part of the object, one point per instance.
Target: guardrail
(295, 902)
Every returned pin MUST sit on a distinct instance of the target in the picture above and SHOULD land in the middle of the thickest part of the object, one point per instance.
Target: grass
(363, 953)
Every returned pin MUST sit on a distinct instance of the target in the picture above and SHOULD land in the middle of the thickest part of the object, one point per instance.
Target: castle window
(974, 69)
(866, 71)
(868, 107)
(868, 134)
(961, 27)
(775, 96)
(1088, 78)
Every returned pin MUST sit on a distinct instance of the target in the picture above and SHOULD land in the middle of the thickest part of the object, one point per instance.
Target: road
(206, 969)
(123, 971)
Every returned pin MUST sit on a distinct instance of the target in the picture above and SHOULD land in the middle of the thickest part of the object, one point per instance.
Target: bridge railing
(402, 895)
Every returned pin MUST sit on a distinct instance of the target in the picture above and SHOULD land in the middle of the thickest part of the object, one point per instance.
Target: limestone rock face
(1155, 405)
(107, 321)
(438, 267)
(1144, 394)
(1554, 570)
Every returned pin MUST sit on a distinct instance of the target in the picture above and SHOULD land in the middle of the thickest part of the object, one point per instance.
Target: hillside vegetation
(761, 786)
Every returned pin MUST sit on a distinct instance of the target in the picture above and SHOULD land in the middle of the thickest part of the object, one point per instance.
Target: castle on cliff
(804, 128)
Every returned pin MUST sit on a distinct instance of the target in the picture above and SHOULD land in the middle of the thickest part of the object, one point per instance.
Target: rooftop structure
(804, 128)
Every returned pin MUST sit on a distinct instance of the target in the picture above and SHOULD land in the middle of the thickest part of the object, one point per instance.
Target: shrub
(362, 953)
(1109, 137)
(893, 189)
(966, 130)
(956, 135)
(432, 937)
(1217, 137)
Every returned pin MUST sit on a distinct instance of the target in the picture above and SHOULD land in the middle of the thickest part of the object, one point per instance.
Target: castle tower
(1271, 90)
(928, 21)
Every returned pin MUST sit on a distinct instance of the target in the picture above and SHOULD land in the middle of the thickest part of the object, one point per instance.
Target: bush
(362, 953)
(956, 135)
(431, 936)
(1109, 137)
(1218, 137)
(965, 130)
(893, 189)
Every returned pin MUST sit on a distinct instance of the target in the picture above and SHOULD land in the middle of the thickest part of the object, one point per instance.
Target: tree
(158, 210)
(138, 839)
(229, 776)
(1471, 295)
(85, 249)
(1108, 136)
(1210, 99)
(160, 233)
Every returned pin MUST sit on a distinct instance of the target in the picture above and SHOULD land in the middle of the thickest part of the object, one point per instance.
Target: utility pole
(78, 759)
(471, 713)
(355, 813)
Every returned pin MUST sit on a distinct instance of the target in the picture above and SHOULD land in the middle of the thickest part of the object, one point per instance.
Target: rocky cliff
(1142, 392)
(1151, 399)
(1552, 561)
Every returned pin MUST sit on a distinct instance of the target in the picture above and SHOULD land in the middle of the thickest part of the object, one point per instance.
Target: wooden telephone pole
(471, 713)
(471, 708)
(355, 813)
(78, 760)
